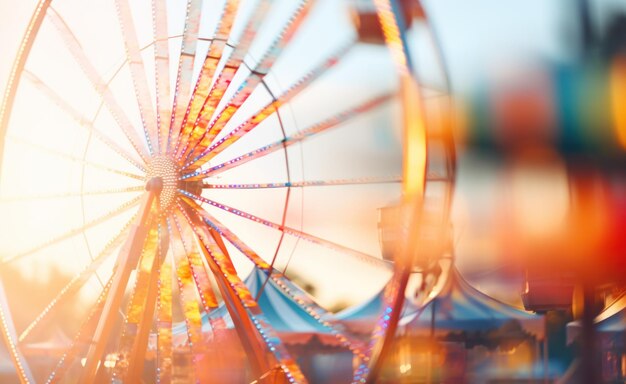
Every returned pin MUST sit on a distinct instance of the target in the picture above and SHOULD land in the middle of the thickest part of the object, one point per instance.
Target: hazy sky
(473, 33)
(476, 36)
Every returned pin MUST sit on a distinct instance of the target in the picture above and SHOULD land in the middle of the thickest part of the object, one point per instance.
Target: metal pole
(590, 370)
(536, 355)
(545, 359)
(137, 355)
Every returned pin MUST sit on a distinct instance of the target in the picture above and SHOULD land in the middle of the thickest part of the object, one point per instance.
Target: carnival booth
(610, 326)
(463, 335)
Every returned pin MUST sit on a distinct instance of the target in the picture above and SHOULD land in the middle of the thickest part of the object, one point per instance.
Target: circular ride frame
(267, 355)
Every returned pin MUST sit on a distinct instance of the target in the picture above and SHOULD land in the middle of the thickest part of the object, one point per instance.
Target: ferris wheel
(158, 151)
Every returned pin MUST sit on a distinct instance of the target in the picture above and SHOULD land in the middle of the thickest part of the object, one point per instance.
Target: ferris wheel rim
(6, 115)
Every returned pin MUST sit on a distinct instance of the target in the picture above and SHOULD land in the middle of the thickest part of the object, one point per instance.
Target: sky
(476, 37)
(466, 28)
(473, 33)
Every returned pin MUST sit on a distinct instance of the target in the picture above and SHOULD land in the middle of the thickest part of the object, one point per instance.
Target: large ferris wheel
(160, 150)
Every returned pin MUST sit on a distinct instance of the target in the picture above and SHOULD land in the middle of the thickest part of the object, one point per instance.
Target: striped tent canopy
(362, 318)
(281, 311)
(456, 306)
(611, 320)
(289, 319)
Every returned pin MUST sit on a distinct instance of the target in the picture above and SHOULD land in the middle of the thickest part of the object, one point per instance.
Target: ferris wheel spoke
(82, 120)
(12, 199)
(184, 274)
(139, 314)
(290, 140)
(308, 183)
(195, 128)
(239, 299)
(77, 282)
(256, 76)
(208, 152)
(189, 304)
(99, 85)
(199, 272)
(208, 70)
(210, 220)
(82, 339)
(164, 320)
(364, 257)
(138, 73)
(182, 89)
(76, 231)
(297, 294)
(75, 159)
(162, 71)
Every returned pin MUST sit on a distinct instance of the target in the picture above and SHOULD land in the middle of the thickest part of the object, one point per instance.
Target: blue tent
(457, 306)
(362, 318)
(321, 355)
(281, 311)
(370, 309)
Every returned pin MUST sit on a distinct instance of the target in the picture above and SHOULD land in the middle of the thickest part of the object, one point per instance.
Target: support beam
(126, 262)
(137, 355)
(244, 327)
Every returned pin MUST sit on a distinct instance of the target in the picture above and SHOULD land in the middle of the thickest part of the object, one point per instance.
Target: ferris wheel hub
(165, 171)
(155, 184)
